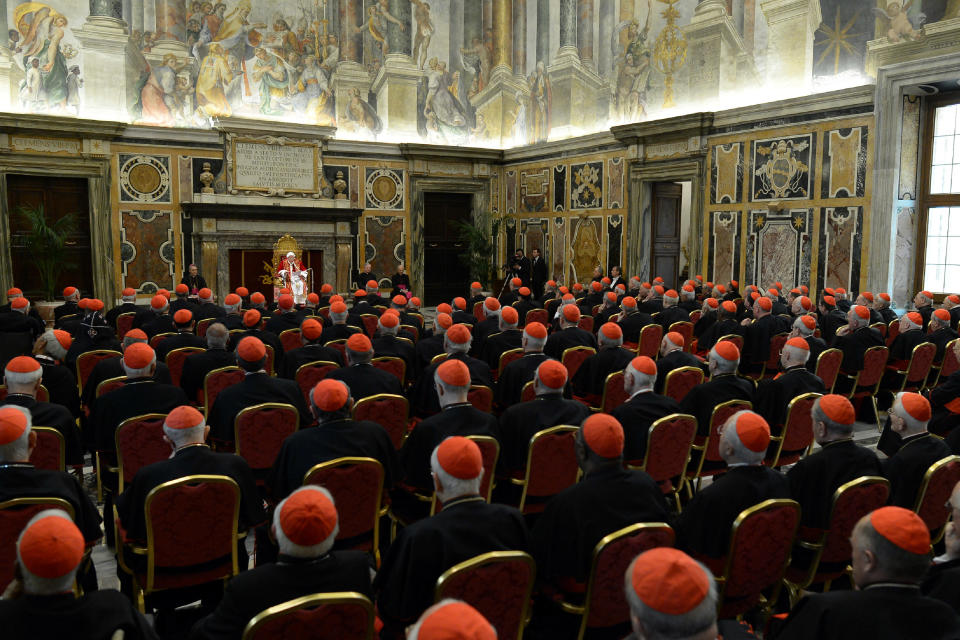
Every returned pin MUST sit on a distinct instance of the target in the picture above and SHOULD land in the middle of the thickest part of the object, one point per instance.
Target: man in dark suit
(854, 340)
(509, 337)
(519, 372)
(257, 387)
(917, 451)
(726, 324)
(521, 267)
(387, 344)
(891, 554)
(569, 335)
(196, 366)
(128, 304)
(423, 395)
(757, 335)
(113, 368)
(23, 376)
(18, 320)
(590, 379)
(672, 357)
(71, 295)
(49, 555)
(521, 421)
(606, 499)
(724, 385)
(50, 350)
(882, 305)
(361, 377)
(704, 526)
(831, 319)
(305, 525)
(183, 300)
(910, 335)
(688, 299)
(183, 321)
(709, 313)
(923, 301)
(466, 527)
(233, 316)
(643, 408)
(313, 350)
(538, 273)
(288, 318)
(774, 395)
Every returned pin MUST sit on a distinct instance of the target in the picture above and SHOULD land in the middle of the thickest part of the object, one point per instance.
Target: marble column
(543, 31)
(790, 35)
(10, 72)
(585, 30)
(396, 81)
(103, 38)
(497, 101)
(399, 39)
(487, 8)
(136, 16)
(351, 42)
(350, 73)
(520, 37)
(568, 28)
(472, 22)
(456, 28)
(171, 19)
(604, 52)
(749, 23)
(502, 37)
(714, 47)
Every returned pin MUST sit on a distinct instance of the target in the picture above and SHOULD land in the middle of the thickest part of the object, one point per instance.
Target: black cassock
(113, 368)
(522, 421)
(669, 315)
(136, 397)
(366, 380)
(940, 338)
(182, 339)
(703, 398)
(854, 345)
(97, 614)
(481, 331)
(814, 479)
(942, 583)
(817, 346)
(577, 518)
(674, 360)
(126, 307)
(390, 346)
(717, 330)
(883, 611)
(632, 323)
(255, 388)
(426, 349)
(466, 527)
(497, 343)
(454, 420)
(22, 480)
(704, 526)
(296, 358)
(706, 321)
(562, 340)
(756, 342)
(592, 374)
(775, 394)
(197, 366)
(942, 396)
(47, 414)
(636, 415)
(423, 395)
(515, 376)
(60, 383)
(289, 578)
(341, 438)
(906, 468)
(283, 321)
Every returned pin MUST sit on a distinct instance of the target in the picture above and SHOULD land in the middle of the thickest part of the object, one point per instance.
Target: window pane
(954, 228)
(951, 279)
(933, 278)
(952, 254)
(940, 179)
(946, 121)
(937, 221)
(936, 250)
(943, 149)
(955, 184)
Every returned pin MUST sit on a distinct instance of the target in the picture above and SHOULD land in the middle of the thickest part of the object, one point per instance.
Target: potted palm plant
(46, 245)
(477, 255)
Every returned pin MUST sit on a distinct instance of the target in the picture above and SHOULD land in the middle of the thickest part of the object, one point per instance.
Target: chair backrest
(684, 328)
(760, 544)
(881, 327)
(110, 384)
(340, 345)
(440, 357)
(320, 616)
(505, 607)
(938, 484)
(309, 374)
(370, 324)
(537, 315)
(51, 450)
(828, 367)
(893, 331)
(797, 434)
(393, 365)
(919, 368)
(650, 338)
(88, 360)
(125, 323)
(412, 330)
(606, 602)
(777, 343)
(270, 365)
(323, 311)
(528, 393)
(668, 446)
(551, 465)
(218, 380)
(681, 380)
(290, 339)
(357, 482)
(950, 363)
(14, 516)
(388, 410)
(481, 397)
(490, 452)
(614, 394)
(175, 360)
(874, 364)
(586, 323)
(139, 442)
(43, 394)
(573, 357)
(176, 510)
(851, 501)
(509, 356)
(259, 431)
(478, 311)
(720, 415)
(15, 343)
(695, 316)
(734, 338)
(160, 337)
(203, 325)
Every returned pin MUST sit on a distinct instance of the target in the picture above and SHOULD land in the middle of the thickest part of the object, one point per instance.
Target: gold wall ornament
(669, 50)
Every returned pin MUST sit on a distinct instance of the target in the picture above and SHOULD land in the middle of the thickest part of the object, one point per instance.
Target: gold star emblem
(837, 40)
(798, 222)
(760, 222)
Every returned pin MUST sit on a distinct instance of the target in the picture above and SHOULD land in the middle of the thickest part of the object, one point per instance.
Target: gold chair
(307, 617)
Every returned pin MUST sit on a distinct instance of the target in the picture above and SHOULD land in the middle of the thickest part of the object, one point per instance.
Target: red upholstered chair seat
(14, 516)
(259, 432)
(357, 482)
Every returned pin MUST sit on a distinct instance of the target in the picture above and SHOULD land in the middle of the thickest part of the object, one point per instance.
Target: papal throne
(285, 244)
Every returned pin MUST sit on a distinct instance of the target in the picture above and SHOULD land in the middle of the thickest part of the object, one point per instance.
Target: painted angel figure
(901, 26)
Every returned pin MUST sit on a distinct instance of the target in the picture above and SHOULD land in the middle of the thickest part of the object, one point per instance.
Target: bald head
(217, 336)
(876, 559)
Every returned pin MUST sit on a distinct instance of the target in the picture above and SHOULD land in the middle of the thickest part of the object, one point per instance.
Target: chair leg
(97, 470)
(876, 412)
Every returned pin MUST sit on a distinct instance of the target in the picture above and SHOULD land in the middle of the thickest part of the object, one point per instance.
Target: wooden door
(445, 274)
(58, 196)
(665, 252)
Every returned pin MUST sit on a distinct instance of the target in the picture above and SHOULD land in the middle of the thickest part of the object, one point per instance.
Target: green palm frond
(46, 243)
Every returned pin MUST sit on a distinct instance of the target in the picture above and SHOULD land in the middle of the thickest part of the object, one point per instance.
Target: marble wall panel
(726, 172)
(535, 233)
(844, 163)
(586, 185)
(354, 182)
(615, 171)
(903, 275)
(384, 245)
(782, 168)
(723, 257)
(384, 188)
(779, 247)
(559, 250)
(535, 190)
(147, 250)
(615, 230)
(909, 148)
(560, 187)
(586, 247)
(144, 178)
(510, 191)
(841, 237)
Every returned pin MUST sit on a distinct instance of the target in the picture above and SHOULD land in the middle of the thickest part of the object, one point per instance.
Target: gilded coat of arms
(783, 174)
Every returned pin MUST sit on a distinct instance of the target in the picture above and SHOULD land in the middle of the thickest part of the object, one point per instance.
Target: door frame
(653, 237)
(97, 172)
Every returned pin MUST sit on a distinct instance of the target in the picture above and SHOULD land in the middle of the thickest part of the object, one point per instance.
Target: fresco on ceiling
(474, 72)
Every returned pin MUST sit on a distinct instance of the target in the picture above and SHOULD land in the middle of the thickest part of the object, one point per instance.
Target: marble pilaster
(713, 48)
(568, 28)
(579, 97)
(136, 16)
(398, 38)
(543, 31)
(520, 37)
(585, 31)
(604, 54)
(502, 39)
(104, 41)
(351, 42)
(791, 27)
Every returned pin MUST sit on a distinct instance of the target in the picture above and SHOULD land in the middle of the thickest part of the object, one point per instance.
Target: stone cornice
(60, 126)
(685, 126)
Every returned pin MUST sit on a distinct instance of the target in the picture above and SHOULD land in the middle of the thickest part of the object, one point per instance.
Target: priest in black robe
(941, 332)
(184, 337)
(631, 321)
(642, 409)
(509, 337)
(313, 350)
(724, 385)
(60, 381)
(589, 380)
(386, 343)
(725, 325)
(774, 395)
(196, 366)
(672, 357)
(518, 373)
(918, 449)
(423, 395)
(569, 335)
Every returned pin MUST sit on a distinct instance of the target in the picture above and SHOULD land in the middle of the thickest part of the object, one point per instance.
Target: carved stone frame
(97, 172)
(479, 188)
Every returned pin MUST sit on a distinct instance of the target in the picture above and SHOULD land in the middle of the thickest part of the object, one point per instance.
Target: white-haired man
(424, 400)
(803, 327)
(128, 304)
(50, 349)
(672, 357)
(643, 407)
(912, 449)
(196, 366)
(488, 326)
(466, 526)
(305, 525)
(704, 526)
(923, 302)
(723, 385)
(941, 332)
(775, 394)
(891, 554)
(40, 602)
(589, 380)
(18, 319)
(672, 312)
(431, 345)
(363, 379)
(509, 337)
(113, 368)
(71, 295)
(942, 581)
(521, 371)
(386, 343)
(569, 335)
